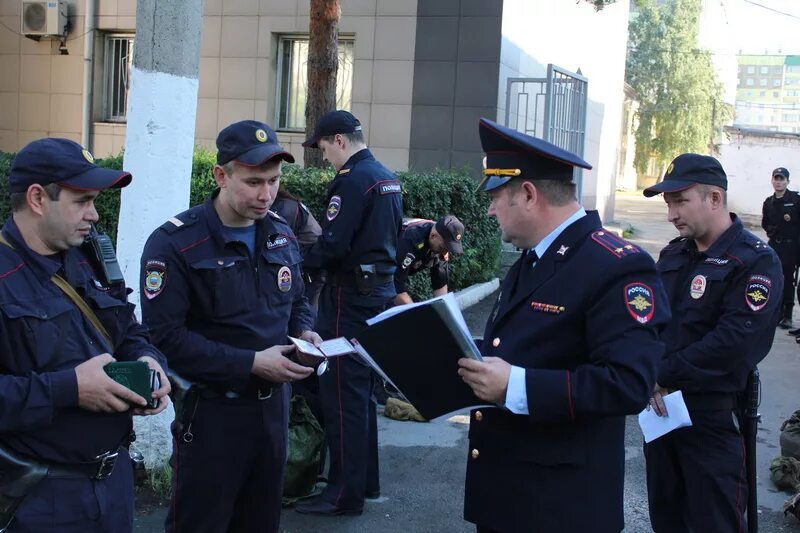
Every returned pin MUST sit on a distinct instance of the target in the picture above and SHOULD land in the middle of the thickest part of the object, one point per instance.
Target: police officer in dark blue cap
(725, 288)
(780, 218)
(357, 248)
(425, 244)
(64, 424)
(570, 349)
(221, 290)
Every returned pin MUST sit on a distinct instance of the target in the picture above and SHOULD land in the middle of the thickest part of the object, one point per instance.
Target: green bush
(425, 195)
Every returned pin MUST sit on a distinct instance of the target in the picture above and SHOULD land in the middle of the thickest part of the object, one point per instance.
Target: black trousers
(787, 253)
(696, 476)
(348, 405)
(79, 504)
(230, 476)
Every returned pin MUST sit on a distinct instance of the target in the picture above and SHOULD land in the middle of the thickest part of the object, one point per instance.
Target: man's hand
(403, 298)
(162, 391)
(99, 393)
(304, 358)
(272, 365)
(488, 379)
(657, 401)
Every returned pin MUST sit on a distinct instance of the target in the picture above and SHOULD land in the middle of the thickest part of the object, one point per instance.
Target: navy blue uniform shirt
(43, 337)
(413, 255)
(210, 304)
(362, 220)
(773, 212)
(725, 305)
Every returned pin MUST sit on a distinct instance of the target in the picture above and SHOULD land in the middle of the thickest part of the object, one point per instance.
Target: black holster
(365, 279)
(18, 477)
(185, 396)
(747, 414)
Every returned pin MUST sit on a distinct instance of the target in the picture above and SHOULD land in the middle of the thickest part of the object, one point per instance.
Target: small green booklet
(136, 376)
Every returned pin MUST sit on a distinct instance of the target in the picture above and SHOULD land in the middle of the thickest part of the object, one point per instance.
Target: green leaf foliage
(425, 195)
(681, 107)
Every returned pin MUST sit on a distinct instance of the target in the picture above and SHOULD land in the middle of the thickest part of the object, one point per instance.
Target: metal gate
(551, 108)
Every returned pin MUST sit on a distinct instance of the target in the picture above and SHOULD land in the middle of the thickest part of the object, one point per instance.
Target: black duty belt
(348, 279)
(262, 392)
(709, 402)
(100, 468)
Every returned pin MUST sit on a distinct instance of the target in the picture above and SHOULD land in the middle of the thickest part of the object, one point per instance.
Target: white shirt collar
(545, 243)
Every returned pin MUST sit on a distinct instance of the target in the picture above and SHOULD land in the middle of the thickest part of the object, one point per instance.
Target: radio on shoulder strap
(101, 249)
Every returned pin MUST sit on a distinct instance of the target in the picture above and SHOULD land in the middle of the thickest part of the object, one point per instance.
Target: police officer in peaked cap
(569, 350)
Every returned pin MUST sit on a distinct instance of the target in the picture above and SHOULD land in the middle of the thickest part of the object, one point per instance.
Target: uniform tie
(526, 263)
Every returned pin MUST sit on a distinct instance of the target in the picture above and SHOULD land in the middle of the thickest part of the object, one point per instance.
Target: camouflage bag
(785, 473)
(305, 443)
(790, 436)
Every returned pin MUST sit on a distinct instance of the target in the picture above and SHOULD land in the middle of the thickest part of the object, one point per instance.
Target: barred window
(293, 80)
(117, 76)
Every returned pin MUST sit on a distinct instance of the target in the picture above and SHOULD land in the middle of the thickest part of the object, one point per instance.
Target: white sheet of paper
(330, 348)
(654, 426)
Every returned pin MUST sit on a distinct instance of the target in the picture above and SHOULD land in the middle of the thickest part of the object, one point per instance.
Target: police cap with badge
(249, 143)
(64, 162)
(782, 172)
(451, 230)
(511, 154)
(688, 170)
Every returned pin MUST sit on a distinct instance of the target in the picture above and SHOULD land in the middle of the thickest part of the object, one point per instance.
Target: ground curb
(474, 294)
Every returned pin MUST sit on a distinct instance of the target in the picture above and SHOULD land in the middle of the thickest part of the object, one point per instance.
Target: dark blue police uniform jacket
(210, 305)
(43, 337)
(583, 324)
(413, 255)
(725, 302)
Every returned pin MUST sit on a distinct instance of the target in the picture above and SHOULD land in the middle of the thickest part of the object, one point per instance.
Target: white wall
(574, 36)
(748, 161)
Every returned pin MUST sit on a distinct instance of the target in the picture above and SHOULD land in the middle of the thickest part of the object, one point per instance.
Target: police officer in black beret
(780, 218)
(222, 289)
(725, 288)
(64, 424)
(357, 247)
(427, 244)
(570, 349)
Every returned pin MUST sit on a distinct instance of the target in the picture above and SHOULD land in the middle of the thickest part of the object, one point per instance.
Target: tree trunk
(323, 62)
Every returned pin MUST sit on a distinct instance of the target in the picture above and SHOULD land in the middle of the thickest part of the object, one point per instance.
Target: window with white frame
(776, 82)
(293, 79)
(118, 54)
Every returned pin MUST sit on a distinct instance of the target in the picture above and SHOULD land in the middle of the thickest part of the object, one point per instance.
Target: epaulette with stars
(614, 243)
(276, 216)
(183, 220)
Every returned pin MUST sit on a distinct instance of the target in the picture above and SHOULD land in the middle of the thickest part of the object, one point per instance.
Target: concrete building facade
(418, 73)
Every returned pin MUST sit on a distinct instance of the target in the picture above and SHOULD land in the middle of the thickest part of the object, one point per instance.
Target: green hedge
(425, 195)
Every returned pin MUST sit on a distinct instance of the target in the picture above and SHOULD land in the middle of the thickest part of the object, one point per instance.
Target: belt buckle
(107, 461)
(261, 395)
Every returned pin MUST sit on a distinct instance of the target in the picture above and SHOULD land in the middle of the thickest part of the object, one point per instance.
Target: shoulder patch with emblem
(757, 291)
(334, 206)
(614, 243)
(408, 259)
(155, 276)
(640, 301)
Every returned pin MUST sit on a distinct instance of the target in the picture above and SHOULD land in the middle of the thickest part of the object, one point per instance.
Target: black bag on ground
(790, 436)
(305, 444)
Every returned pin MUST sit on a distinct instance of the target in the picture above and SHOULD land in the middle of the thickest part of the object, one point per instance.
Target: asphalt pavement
(423, 464)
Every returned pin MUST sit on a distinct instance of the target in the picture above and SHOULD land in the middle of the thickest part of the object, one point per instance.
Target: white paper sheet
(654, 426)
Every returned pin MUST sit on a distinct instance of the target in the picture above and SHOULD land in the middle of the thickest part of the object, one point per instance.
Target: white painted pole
(159, 142)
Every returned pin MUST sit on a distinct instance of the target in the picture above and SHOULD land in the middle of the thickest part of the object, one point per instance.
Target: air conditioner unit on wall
(44, 18)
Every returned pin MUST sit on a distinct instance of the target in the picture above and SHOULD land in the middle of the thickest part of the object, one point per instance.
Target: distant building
(768, 93)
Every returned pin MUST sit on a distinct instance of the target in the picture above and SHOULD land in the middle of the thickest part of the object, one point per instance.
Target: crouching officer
(725, 288)
(358, 248)
(64, 424)
(221, 290)
(780, 218)
(426, 244)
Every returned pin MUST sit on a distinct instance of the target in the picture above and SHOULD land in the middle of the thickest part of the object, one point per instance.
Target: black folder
(418, 351)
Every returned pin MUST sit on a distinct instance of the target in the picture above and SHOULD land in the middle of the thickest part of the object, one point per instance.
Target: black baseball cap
(780, 171)
(250, 143)
(61, 161)
(331, 123)
(512, 154)
(452, 231)
(687, 170)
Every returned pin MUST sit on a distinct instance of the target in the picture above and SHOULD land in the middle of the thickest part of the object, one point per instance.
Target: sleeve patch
(756, 294)
(407, 260)
(155, 277)
(640, 302)
(390, 187)
(334, 206)
(614, 243)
